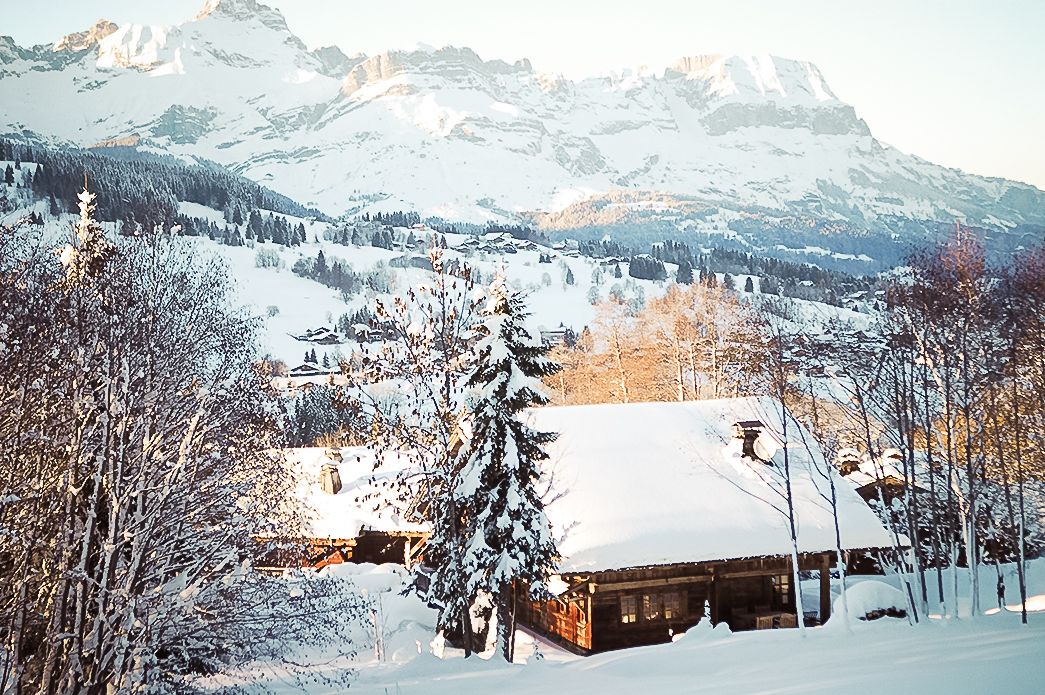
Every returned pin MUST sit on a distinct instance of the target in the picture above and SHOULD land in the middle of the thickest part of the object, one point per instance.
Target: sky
(958, 82)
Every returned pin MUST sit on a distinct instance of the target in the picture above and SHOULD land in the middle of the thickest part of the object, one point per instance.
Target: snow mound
(872, 599)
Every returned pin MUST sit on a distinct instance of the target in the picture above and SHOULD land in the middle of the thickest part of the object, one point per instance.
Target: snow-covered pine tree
(508, 539)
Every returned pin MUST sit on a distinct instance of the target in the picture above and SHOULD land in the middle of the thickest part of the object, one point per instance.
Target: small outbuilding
(352, 512)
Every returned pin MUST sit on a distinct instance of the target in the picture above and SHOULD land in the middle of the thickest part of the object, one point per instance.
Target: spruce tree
(506, 534)
(684, 275)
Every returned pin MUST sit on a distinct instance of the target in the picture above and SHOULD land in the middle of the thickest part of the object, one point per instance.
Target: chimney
(329, 476)
(748, 431)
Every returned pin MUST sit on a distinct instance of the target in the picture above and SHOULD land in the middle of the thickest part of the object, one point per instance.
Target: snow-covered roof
(869, 471)
(659, 483)
(364, 503)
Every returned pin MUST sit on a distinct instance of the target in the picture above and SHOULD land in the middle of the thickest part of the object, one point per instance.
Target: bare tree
(136, 440)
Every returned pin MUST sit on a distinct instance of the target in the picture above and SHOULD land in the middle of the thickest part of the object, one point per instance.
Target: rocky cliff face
(84, 40)
(448, 134)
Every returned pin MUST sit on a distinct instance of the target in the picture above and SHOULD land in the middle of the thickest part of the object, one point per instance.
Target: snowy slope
(302, 304)
(448, 134)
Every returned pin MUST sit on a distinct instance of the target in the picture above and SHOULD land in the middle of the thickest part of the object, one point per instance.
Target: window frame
(675, 609)
(781, 584)
(629, 617)
(652, 608)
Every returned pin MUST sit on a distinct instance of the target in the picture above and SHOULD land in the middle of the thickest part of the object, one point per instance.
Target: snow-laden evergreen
(507, 539)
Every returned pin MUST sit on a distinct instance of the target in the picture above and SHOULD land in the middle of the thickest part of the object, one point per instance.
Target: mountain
(716, 143)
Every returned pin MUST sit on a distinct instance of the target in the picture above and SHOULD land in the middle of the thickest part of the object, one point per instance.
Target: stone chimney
(329, 476)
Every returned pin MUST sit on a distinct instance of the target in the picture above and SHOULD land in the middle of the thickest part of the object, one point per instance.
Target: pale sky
(958, 82)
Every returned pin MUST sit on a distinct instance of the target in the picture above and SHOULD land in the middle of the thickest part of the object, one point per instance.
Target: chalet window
(629, 609)
(651, 606)
(672, 605)
(782, 590)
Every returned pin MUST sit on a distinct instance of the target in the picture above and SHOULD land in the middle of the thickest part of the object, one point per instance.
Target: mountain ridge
(453, 136)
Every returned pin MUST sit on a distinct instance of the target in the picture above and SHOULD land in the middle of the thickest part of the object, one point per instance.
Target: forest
(150, 187)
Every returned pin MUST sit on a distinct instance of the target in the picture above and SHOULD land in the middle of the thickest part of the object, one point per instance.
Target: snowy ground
(993, 653)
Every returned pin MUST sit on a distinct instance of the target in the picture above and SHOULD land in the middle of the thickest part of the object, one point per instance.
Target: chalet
(307, 369)
(322, 335)
(364, 333)
(497, 237)
(554, 337)
(661, 509)
(354, 516)
(666, 506)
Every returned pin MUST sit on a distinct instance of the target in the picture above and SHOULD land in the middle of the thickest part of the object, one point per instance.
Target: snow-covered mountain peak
(756, 77)
(231, 8)
(244, 11)
(448, 134)
(84, 40)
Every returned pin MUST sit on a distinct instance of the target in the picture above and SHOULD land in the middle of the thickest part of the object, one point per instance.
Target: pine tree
(684, 275)
(86, 257)
(506, 534)
(9, 175)
(320, 269)
(749, 285)
(569, 276)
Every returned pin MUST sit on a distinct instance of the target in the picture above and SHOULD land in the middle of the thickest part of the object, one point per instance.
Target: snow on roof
(869, 471)
(660, 483)
(363, 503)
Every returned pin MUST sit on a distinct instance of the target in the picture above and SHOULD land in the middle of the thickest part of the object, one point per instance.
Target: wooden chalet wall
(634, 607)
(370, 546)
(565, 622)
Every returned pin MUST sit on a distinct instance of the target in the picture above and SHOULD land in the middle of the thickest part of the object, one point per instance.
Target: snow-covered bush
(268, 258)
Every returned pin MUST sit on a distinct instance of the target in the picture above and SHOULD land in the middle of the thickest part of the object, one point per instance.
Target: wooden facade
(378, 547)
(633, 607)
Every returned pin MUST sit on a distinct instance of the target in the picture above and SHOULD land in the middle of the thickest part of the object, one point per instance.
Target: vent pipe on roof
(748, 431)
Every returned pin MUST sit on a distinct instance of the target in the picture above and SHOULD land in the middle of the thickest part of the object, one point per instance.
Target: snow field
(992, 654)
